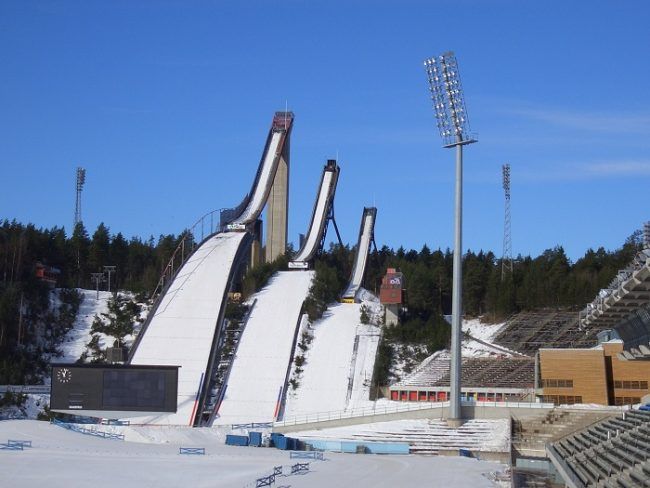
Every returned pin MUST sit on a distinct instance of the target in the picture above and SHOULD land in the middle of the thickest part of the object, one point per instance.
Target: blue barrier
(19, 443)
(316, 455)
(465, 453)
(192, 450)
(236, 440)
(255, 439)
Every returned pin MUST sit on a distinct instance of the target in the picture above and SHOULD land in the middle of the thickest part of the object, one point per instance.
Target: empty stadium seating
(612, 452)
(526, 332)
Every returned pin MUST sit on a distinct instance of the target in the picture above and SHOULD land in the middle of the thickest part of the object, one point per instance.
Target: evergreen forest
(550, 280)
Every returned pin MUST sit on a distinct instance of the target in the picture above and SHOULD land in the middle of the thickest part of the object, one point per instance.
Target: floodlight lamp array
(506, 180)
(447, 97)
(81, 178)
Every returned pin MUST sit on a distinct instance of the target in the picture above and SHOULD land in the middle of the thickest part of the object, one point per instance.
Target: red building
(391, 295)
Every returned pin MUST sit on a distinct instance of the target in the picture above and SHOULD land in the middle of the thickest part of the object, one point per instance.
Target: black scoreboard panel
(114, 388)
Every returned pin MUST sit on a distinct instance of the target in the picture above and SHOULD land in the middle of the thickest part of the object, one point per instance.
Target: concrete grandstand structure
(483, 379)
(526, 332)
(627, 292)
(614, 452)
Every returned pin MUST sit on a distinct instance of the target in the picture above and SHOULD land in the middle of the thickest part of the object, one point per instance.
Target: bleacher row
(477, 372)
(526, 332)
(613, 453)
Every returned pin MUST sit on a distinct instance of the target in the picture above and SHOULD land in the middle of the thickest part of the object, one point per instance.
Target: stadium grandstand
(614, 452)
(527, 332)
(483, 379)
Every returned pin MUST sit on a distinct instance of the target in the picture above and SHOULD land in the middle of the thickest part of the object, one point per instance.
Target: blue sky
(167, 105)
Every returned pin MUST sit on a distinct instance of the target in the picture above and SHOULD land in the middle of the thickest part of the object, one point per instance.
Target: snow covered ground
(62, 459)
(485, 333)
(336, 374)
(260, 365)
(74, 343)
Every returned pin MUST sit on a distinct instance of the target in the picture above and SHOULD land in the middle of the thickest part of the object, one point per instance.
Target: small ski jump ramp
(366, 237)
(320, 215)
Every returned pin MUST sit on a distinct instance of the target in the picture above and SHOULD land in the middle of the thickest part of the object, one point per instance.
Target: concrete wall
(277, 212)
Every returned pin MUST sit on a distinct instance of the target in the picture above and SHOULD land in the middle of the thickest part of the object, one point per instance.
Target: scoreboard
(127, 390)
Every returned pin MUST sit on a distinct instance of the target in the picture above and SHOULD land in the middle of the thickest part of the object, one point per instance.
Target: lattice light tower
(453, 124)
(81, 179)
(646, 235)
(506, 258)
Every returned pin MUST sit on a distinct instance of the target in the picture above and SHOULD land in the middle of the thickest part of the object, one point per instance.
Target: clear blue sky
(167, 105)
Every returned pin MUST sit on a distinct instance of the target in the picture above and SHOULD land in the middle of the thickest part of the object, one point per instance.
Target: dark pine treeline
(139, 263)
(29, 326)
(549, 280)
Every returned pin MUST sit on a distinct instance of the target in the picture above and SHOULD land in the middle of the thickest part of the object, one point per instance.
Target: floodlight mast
(453, 124)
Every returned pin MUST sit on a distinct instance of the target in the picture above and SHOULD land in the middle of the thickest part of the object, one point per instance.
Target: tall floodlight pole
(81, 179)
(506, 258)
(451, 117)
(646, 235)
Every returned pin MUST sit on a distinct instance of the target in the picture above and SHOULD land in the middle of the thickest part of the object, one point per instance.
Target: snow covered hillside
(92, 305)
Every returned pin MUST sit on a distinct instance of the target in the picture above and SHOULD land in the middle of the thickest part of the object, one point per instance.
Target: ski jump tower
(277, 211)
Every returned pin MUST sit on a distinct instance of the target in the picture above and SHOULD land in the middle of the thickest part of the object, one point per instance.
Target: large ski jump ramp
(260, 367)
(182, 330)
(262, 186)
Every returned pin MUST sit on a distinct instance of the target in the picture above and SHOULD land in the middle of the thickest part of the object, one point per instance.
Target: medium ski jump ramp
(366, 237)
(319, 216)
(259, 371)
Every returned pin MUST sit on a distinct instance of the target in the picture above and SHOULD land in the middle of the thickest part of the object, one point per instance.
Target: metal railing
(640, 260)
(204, 227)
(401, 408)
(83, 430)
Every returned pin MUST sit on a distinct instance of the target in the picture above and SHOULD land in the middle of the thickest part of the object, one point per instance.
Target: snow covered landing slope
(182, 330)
(335, 373)
(260, 366)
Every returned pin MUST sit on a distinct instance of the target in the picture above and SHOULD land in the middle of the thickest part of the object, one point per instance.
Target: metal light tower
(506, 258)
(81, 179)
(646, 235)
(452, 121)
